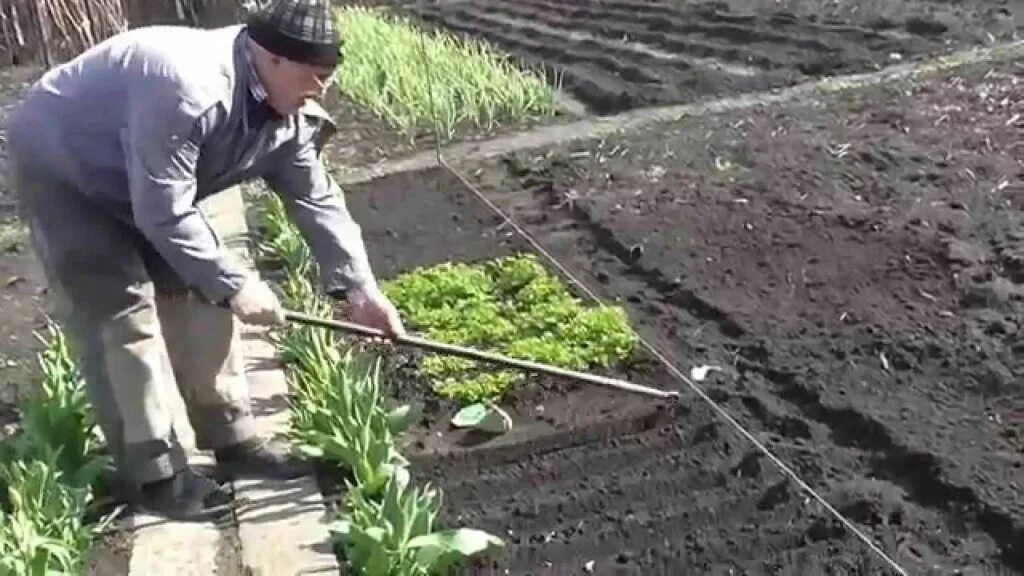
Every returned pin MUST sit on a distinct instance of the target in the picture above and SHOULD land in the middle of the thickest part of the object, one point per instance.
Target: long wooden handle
(454, 350)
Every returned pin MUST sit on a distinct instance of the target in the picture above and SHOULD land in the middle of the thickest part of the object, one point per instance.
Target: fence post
(44, 39)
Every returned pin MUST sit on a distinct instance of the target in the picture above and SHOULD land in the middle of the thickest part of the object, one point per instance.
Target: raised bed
(411, 225)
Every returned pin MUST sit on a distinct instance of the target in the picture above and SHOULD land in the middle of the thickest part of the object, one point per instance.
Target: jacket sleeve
(162, 140)
(315, 203)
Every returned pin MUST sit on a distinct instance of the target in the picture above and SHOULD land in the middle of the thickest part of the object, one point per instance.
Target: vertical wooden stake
(44, 39)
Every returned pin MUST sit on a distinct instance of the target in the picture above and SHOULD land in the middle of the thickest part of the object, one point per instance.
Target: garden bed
(546, 414)
(409, 225)
(608, 57)
(403, 88)
(623, 54)
(852, 265)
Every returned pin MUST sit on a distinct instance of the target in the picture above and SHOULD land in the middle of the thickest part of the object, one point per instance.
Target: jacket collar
(257, 110)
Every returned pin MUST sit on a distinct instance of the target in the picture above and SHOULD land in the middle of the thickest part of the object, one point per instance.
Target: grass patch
(512, 306)
(409, 77)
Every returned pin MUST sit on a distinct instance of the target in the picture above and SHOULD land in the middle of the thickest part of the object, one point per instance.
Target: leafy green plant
(511, 305)
(44, 533)
(57, 421)
(283, 242)
(485, 416)
(300, 294)
(49, 470)
(395, 536)
(338, 413)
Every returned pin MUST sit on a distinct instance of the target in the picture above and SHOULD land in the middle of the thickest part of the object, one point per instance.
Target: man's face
(289, 84)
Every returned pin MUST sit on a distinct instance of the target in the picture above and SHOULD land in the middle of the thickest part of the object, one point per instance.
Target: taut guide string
(722, 412)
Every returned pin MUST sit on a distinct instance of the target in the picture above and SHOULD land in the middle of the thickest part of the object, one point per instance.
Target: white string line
(722, 412)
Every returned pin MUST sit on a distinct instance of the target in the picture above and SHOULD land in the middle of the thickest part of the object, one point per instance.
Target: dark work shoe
(187, 497)
(260, 457)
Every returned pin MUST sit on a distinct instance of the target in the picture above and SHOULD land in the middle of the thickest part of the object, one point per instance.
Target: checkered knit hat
(299, 30)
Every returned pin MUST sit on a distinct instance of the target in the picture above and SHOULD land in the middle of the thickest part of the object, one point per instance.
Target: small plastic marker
(699, 373)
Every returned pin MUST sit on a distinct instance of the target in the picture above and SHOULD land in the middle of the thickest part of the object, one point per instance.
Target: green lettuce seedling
(512, 306)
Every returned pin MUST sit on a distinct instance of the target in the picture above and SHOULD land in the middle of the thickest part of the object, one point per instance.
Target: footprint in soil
(867, 502)
(992, 378)
(776, 495)
(749, 466)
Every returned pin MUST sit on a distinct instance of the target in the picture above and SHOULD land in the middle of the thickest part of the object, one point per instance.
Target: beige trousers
(136, 326)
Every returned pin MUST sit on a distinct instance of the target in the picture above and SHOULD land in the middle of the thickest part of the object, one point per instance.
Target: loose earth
(853, 266)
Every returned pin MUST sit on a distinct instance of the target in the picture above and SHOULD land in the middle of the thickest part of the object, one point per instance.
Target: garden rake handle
(474, 354)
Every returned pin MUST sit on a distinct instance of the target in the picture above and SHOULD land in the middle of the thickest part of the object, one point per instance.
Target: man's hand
(371, 308)
(257, 304)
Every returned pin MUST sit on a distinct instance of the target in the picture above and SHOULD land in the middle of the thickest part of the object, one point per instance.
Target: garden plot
(494, 298)
(402, 89)
(854, 267)
(622, 54)
(458, 277)
(633, 487)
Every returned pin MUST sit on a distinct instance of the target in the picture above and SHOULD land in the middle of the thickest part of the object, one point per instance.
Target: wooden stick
(474, 354)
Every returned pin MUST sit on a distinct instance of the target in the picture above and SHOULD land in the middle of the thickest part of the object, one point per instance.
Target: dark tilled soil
(853, 269)
(22, 309)
(635, 491)
(615, 55)
(20, 303)
(548, 412)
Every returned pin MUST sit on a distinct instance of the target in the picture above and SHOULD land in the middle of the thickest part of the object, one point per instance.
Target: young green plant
(44, 533)
(513, 306)
(485, 416)
(338, 412)
(48, 471)
(283, 242)
(57, 420)
(395, 535)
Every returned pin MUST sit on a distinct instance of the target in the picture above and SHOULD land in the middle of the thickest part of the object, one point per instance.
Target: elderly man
(111, 151)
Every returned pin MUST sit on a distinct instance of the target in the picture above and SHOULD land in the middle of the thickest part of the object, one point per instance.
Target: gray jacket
(155, 119)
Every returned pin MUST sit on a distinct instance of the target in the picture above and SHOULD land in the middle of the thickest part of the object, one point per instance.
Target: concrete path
(281, 526)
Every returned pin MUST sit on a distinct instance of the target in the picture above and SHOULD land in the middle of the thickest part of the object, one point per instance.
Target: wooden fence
(44, 32)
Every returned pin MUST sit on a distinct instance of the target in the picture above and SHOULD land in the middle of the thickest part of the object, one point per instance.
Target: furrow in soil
(616, 56)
